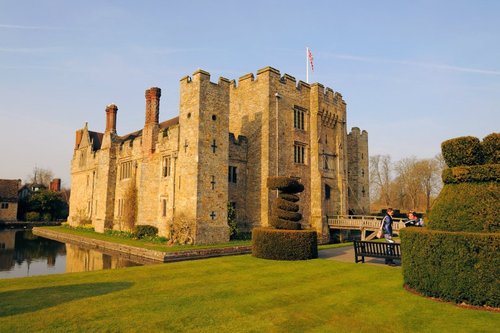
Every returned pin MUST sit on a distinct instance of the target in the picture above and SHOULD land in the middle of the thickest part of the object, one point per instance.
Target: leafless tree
(40, 176)
(380, 178)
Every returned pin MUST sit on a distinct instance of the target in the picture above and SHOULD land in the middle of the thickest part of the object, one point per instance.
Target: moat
(24, 254)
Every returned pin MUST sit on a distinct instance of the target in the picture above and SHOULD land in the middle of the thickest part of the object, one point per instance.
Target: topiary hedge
(491, 148)
(472, 207)
(465, 150)
(454, 266)
(275, 244)
(284, 184)
(474, 173)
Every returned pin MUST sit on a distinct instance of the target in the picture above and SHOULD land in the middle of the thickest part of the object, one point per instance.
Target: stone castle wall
(249, 127)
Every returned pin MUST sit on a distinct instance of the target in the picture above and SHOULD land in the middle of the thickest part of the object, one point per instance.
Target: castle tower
(359, 195)
(203, 157)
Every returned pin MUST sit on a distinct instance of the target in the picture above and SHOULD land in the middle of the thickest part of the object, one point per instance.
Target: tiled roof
(96, 139)
(8, 189)
(162, 125)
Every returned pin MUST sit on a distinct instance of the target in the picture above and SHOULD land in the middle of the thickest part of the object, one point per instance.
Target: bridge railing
(362, 222)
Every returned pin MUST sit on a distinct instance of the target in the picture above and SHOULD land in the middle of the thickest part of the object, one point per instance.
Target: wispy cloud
(413, 63)
(26, 27)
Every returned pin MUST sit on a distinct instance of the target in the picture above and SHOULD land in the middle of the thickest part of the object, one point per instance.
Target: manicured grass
(142, 243)
(231, 294)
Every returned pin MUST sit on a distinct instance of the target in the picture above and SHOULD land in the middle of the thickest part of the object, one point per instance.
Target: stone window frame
(4, 205)
(125, 169)
(299, 153)
(299, 118)
(232, 174)
(166, 167)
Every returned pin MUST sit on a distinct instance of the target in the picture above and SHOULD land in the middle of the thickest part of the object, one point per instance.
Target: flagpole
(307, 65)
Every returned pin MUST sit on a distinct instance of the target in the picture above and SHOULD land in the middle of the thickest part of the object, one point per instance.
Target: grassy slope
(231, 294)
(143, 244)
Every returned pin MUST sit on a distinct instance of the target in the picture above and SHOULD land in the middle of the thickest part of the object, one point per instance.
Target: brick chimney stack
(152, 105)
(55, 185)
(151, 127)
(111, 111)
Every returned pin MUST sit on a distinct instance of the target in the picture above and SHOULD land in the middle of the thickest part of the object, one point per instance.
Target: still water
(24, 254)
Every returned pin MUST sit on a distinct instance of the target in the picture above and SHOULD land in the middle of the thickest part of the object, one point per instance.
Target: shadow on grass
(30, 300)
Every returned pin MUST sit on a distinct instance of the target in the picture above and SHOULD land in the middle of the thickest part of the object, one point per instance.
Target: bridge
(362, 223)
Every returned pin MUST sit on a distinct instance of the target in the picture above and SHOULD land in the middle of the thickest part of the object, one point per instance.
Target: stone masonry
(228, 138)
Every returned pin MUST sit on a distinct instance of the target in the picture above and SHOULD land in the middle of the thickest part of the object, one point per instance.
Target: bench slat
(376, 249)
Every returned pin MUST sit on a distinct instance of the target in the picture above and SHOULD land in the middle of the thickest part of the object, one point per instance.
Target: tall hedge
(454, 266)
(456, 257)
(465, 150)
(491, 148)
(473, 207)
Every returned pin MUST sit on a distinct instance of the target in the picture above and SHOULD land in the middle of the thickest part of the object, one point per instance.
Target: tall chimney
(55, 185)
(150, 131)
(152, 105)
(111, 111)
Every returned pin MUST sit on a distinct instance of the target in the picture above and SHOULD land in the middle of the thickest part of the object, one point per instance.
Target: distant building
(180, 175)
(9, 199)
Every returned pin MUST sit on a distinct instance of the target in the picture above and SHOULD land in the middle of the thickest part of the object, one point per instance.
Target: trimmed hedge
(474, 173)
(286, 215)
(278, 223)
(286, 205)
(284, 244)
(472, 207)
(289, 197)
(454, 266)
(491, 148)
(465, 150)
(284, 184)
(144, 230)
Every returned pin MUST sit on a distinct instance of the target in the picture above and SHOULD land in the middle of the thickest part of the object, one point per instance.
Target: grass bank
(231, 294)
(143, 243)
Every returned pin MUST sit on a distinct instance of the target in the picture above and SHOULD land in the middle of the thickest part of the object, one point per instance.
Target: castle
(180, 175)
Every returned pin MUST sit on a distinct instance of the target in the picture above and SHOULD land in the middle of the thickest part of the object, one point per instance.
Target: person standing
(387, 231)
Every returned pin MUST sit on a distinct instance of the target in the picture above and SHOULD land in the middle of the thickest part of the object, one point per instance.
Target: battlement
(328, 94)
(241, 140)
(203, 76)
(356, 132)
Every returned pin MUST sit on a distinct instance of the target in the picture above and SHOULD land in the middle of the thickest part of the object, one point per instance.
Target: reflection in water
(82, 260)
(24, 254)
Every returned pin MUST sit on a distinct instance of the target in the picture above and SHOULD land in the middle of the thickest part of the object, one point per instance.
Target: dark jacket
(387, 225)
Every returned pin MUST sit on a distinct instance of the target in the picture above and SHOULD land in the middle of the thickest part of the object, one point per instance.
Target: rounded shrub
(286, 215)
(289, 197)
(284, 184)
(284, 244)
(465, 150)
(470, 207)
(279, 223)
(32, 216)
(491, 148)
(286, 205)
(454, 266)
(144, 230)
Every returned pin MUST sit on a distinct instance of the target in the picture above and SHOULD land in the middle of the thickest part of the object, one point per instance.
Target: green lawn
(231, 294)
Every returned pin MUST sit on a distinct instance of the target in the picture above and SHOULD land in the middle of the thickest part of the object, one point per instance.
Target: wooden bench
(376, 249)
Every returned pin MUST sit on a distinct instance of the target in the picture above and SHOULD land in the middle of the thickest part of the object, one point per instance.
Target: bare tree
(40, 176)
(380, 178)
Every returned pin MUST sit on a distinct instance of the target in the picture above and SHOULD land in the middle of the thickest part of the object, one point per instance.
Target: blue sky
(413, 73)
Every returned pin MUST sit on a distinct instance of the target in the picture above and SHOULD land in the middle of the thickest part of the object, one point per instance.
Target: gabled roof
(96, 139)
(8, 189)
(162, 125)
